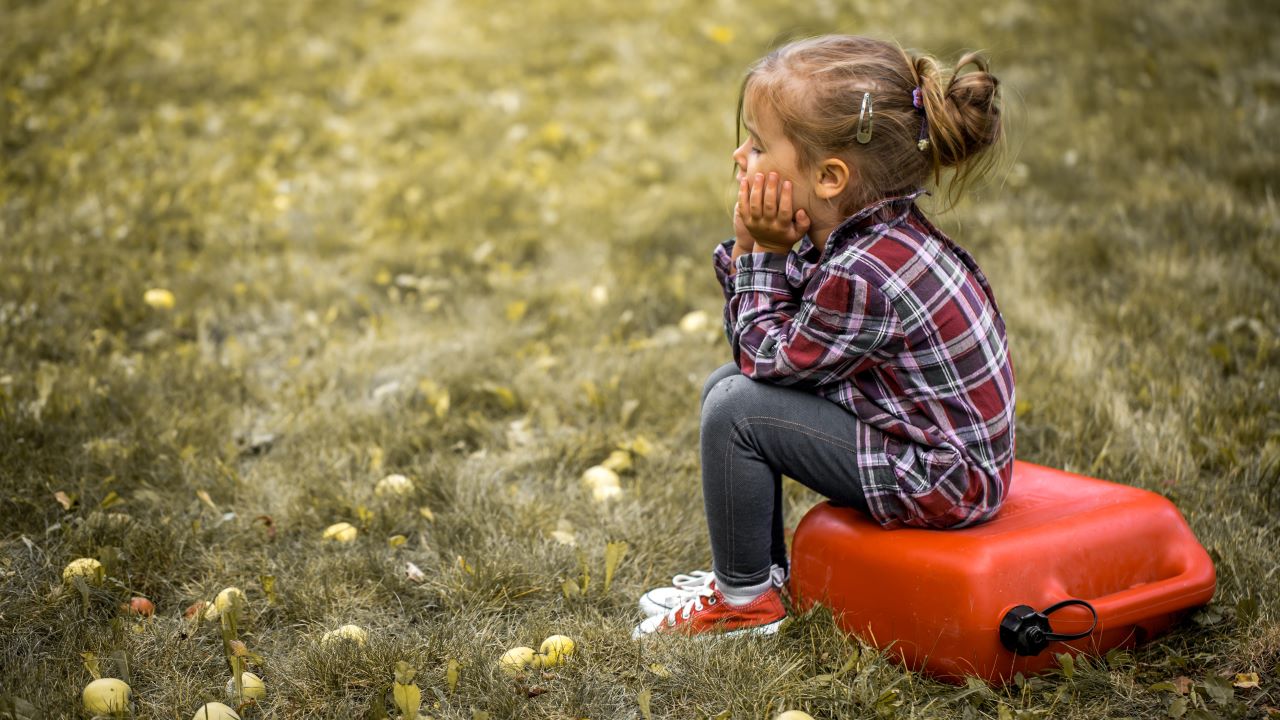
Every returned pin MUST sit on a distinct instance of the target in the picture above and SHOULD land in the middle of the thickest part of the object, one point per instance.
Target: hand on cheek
(764, 211)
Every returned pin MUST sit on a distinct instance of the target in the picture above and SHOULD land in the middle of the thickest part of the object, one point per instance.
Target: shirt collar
(885, 211)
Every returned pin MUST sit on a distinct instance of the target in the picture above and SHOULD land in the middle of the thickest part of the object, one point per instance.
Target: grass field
(456, 241)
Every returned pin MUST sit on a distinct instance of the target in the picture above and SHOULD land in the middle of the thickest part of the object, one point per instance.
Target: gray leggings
(752, 433)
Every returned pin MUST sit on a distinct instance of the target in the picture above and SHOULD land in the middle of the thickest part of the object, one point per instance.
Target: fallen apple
(341, 532)
(139, 606)
(195, 609)
(598, 476)
(694, 322)
(254, 688)
(602, 493)
(215, 711)
(354, 633)
(158, 298)
(516, 659)
(556, 649)
(794, 715)
(106, 696)
(396, 484)
(88, 568)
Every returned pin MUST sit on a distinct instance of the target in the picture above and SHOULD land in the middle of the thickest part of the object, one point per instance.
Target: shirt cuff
(762, 272)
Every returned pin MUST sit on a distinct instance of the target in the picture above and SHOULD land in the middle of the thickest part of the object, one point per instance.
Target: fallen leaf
(204, 498)
(414, 573)
(1246, 680)
(452, 669)
(65, 500)
(613, 554)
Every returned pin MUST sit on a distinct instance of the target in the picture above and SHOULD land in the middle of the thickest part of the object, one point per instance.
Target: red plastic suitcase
(968, 601)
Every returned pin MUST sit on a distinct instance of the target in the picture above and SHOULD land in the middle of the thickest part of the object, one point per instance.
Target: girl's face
(767, 150)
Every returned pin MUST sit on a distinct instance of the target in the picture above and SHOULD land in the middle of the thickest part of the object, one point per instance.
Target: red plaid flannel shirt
(897, 324)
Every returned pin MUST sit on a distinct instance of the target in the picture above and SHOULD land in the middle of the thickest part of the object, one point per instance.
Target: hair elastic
(917, 101)
(867, 115)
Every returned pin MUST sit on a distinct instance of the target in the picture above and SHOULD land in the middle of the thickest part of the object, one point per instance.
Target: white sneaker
(686, 587)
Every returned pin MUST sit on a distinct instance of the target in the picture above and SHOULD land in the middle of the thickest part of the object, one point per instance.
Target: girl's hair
(814, 88)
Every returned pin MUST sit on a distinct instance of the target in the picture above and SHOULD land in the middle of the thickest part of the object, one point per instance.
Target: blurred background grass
(364, 208)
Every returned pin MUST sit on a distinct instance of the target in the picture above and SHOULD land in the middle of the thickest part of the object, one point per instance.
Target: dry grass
(362, 206)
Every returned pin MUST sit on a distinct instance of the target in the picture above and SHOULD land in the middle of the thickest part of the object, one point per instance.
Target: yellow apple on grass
(794, 715)
(215, 711)
(395, 484)
(88, 568)
(353, 633)
(556, 649)
(106, 696)
(598, 476)
(342, 532)
(516, 659)
(254, 688)
(603, 493)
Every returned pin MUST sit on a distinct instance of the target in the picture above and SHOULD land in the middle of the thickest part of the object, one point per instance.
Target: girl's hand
(764, 209)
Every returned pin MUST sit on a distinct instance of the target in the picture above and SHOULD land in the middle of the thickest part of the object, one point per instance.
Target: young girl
(871, 364)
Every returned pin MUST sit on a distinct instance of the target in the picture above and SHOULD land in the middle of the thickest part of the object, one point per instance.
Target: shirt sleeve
(722, 258)
(821, 335)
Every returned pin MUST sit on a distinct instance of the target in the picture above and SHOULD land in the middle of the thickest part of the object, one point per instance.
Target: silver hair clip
(864, 133)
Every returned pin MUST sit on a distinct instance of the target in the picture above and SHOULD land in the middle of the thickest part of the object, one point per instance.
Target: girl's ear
(833, 177)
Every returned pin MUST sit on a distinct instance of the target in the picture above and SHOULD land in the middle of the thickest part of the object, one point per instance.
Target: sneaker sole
(769, 629)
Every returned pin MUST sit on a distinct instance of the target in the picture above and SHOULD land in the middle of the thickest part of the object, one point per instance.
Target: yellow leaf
(408, 698)
(452, 669)
(425, 512)
(505, 396)
(643, 701)
(375, 457)
(396, 541)
(618, 461)
(720, 34)
(364, 514)
(660, 670)
(465, 566)
(204, 497)
(65, 500)
(268, 587)
(91, 664)
(1246, 680)
(552, 133)
(405, 672)
(613, 554)
(641, 446)
(570, 588)
(111, 499)
(516, 310)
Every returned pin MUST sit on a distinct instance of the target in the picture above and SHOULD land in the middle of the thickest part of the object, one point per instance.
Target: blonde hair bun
(964, 118)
